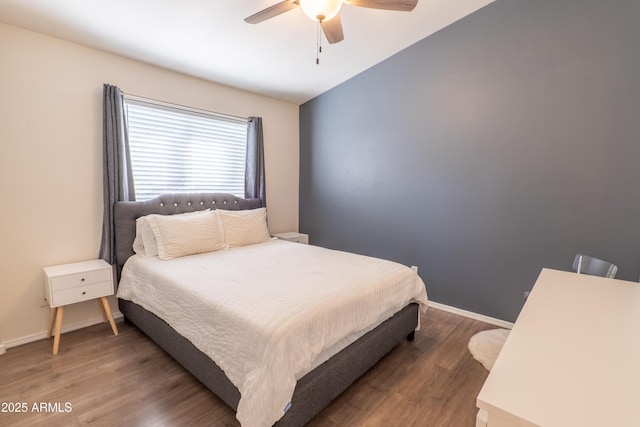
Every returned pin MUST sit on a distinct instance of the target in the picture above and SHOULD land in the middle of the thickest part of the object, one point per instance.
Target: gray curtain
(254, 183)
(116, 164)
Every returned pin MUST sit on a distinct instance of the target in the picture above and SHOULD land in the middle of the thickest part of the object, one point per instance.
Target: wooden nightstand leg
(107, 309)
(56, 338)
(102, 311)
(52, 319)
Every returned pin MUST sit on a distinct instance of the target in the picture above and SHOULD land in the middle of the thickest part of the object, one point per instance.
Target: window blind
(179, 150)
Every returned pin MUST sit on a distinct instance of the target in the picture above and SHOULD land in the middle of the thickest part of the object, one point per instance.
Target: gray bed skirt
(314, 391)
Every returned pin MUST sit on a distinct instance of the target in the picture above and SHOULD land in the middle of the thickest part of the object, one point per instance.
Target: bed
(323, 380)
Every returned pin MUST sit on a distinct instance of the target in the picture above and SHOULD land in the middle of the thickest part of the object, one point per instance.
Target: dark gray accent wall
(504, 143)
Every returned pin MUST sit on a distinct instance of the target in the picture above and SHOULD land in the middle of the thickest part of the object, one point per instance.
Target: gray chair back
(584, 264)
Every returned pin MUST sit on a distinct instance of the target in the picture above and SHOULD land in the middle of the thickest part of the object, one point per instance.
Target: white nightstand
(72, 283)
(293, 236)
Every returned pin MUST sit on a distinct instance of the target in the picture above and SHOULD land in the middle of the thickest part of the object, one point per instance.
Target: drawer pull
(82, 280)
(84, 292)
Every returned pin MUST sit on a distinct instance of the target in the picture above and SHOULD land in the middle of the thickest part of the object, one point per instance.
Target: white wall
(51, 161)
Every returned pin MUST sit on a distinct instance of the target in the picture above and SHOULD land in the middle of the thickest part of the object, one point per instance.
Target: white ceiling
(210, 40)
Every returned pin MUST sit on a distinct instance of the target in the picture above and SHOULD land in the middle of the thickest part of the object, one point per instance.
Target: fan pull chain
(318, 43)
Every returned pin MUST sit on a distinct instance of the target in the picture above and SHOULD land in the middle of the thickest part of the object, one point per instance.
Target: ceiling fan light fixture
(321, 10)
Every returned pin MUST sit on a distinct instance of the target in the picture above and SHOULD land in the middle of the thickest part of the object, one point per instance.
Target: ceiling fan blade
(271, 11)
(333, 29)
(401, 5)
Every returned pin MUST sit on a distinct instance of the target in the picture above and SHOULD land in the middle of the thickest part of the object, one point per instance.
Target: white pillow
(245, 227)
(181, 235)
(145, 242)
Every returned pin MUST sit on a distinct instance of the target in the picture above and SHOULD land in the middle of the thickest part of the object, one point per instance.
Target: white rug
(486, 345)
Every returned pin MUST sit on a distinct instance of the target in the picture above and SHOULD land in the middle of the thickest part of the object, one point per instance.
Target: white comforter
(268, 313)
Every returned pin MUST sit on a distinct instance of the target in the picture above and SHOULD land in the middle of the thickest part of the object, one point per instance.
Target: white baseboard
(65, 328)
(471, 315)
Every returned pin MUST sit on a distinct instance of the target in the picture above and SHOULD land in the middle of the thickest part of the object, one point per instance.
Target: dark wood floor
(103, 380)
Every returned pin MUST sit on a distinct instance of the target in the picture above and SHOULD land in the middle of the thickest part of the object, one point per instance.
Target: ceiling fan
(325, 12)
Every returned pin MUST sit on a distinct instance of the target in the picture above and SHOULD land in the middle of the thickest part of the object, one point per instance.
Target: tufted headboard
(126, 213)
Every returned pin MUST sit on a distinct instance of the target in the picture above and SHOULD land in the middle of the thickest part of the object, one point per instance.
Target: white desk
(572, 358)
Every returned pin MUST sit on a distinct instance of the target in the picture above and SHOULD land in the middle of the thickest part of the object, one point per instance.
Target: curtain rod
(180, 107)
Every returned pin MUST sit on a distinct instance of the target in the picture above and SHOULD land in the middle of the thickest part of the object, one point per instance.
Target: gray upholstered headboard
(126, 213)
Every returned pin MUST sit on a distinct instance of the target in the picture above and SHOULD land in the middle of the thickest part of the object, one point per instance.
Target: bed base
(314, 391)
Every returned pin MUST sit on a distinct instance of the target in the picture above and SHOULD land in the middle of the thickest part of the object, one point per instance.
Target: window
(182, 150)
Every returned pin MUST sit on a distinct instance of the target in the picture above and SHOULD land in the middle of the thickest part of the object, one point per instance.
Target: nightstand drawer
(293, 236)
(81, 293)
(80, 279)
